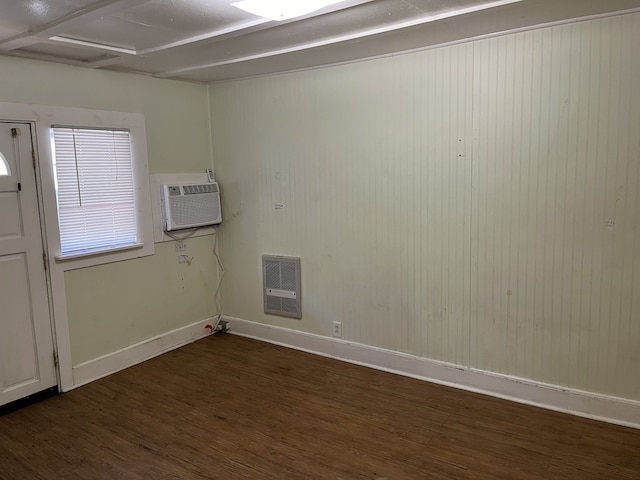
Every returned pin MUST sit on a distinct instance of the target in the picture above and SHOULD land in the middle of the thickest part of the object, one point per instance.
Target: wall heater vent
(281, 281)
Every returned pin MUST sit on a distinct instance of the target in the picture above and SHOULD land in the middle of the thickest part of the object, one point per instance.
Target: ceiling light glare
(280, 10)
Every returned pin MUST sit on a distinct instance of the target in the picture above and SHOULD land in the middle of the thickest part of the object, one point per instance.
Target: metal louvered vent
(281, 281)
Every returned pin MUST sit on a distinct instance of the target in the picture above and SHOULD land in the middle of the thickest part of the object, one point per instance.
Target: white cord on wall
(179, 239)
(216, 295)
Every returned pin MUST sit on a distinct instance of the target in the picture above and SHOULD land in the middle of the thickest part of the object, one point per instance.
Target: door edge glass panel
(5, 171)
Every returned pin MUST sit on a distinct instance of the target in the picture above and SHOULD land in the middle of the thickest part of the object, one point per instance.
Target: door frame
(60, 338)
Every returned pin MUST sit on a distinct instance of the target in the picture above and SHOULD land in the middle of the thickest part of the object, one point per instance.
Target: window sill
(93, 253)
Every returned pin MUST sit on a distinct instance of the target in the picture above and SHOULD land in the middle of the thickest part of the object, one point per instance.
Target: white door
(26, 340)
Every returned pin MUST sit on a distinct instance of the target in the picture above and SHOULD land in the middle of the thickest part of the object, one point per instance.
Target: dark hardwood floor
(229, 408)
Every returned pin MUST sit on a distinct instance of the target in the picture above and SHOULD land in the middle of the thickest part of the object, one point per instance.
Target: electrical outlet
(337, 329)
(181, 246)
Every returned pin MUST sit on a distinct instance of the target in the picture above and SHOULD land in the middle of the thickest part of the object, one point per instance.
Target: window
(4, 166)
(95, 190)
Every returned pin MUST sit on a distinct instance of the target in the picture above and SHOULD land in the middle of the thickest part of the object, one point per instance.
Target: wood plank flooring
(229, 408)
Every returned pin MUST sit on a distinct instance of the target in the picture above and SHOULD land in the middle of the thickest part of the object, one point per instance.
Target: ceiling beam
(249, 27)
(46, 58)
(423, 19)
(227, 32)
(97, 46)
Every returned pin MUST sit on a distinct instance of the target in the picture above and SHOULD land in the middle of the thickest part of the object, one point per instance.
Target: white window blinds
(95, 189)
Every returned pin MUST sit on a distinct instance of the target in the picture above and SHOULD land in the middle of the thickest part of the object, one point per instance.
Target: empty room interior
(359, 239)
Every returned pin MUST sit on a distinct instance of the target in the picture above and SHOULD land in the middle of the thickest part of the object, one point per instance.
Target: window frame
(101, 119)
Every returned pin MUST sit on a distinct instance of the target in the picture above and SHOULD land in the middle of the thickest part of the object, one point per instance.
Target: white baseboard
(91, 370)
(576, 402)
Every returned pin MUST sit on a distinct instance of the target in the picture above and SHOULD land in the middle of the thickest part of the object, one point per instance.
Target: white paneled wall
(476, 204)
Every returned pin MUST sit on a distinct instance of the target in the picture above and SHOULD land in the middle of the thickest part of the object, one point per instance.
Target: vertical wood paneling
(553, 282)
(454, 203)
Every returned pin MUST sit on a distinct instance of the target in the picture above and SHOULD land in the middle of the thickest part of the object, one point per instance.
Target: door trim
(45, 244)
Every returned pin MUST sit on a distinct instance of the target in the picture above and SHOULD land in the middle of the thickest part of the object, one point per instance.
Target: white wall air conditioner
(190, 205)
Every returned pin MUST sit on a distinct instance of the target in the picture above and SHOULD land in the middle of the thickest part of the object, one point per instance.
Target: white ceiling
(210, 40)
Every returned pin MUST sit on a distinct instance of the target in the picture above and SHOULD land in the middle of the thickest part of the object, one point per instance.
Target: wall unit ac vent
(190, 205)
(281, 282)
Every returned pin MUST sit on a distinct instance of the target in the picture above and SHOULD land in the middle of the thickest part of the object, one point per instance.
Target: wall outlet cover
(337, 329)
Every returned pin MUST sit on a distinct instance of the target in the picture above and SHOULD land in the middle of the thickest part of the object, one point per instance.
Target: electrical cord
(216, 295)
(179, 239)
